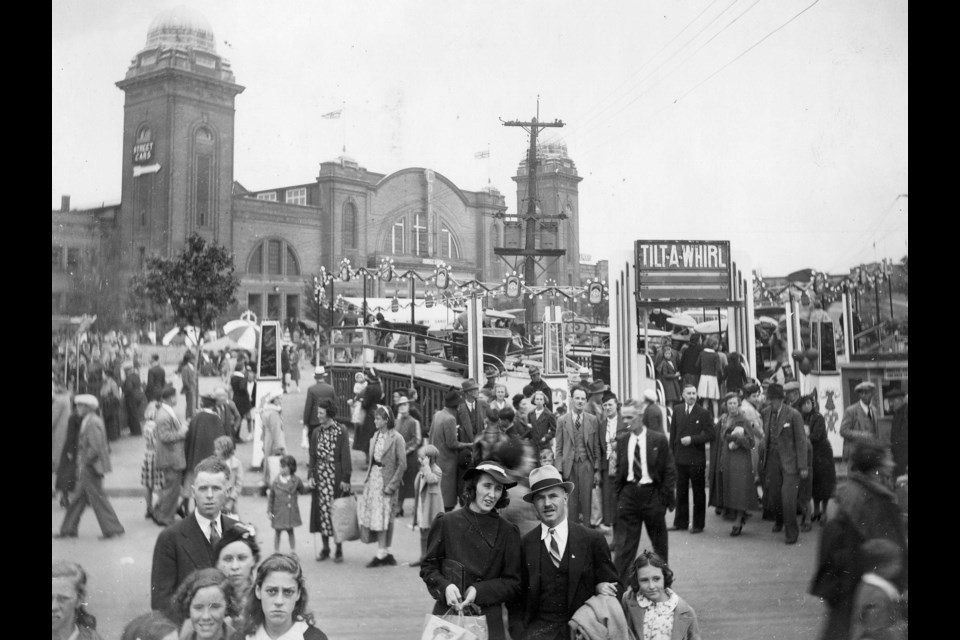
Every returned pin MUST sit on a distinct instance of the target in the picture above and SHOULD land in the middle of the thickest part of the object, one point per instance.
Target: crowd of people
(591, 466)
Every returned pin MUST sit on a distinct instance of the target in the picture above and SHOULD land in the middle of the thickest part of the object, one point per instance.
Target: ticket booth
(886, 370)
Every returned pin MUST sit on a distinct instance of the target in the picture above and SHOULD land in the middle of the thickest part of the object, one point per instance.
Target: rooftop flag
(332, 114)
(482, 154)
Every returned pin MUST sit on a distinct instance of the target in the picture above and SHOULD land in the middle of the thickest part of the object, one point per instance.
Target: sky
(780, 126)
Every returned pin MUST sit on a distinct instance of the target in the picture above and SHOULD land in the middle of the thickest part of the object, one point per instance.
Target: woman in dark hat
(824, 473)
(473, 555)
(736, 493)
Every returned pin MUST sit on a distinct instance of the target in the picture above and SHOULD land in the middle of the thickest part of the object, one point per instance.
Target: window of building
(297, 196)
(255, 265)
(255, 303)
(203, 177)
(273, 306)
(57, 262)
(143, 193)
(269, 195)
(73, 259)
(349, 226)
(420, 234)
(293, 267)
(274, 267)
(396, 245)
(293, 305)
(449, 248)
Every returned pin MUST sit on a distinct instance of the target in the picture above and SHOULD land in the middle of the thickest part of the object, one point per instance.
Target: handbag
(470, 619)
(343, 513)
(436, 628)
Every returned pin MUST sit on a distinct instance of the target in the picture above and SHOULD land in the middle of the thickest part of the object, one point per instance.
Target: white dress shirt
(560, 531)
(641, 439)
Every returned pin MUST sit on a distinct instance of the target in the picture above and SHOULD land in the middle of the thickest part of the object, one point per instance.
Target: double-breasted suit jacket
(566, 449)
(180, 549)
(588, 564)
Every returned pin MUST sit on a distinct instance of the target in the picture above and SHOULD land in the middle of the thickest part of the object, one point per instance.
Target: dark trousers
(608, 490)
(166, 508)
(90, 492)
(581, 497)
(783, 489)
(687, 475)
(638, 506)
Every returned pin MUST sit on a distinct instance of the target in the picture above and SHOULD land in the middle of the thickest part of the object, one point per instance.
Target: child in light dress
(283, 505)
(226, 451)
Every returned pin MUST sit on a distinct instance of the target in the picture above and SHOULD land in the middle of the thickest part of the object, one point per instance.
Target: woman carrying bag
(330, 470)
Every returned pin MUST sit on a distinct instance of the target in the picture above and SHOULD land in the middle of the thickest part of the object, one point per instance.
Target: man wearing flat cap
(785, 461)
(859, 420)
(320, 390)
(537, 384)
(898, 430)
(449, 440)
(791, 392)
(563, 563)
(93, 462)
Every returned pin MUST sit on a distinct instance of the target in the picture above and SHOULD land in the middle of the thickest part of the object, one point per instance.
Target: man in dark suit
(611, 426)
(690, 431)
(470, 416)
(646, 481)
(188, 545)
(564, 564)
(134, 399)
(578, 454)
(321, 390)
(156, 378)
(785, 443)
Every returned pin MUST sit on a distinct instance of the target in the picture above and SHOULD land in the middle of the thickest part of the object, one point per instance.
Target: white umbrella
(681, 320)
(711, 326)
(190, 336)
(767, 320)
(243, 333)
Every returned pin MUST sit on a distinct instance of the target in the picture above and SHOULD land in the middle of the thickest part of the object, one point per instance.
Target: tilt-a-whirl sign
(690, 272)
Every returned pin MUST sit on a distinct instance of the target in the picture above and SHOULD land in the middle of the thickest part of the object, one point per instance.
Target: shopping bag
(470, 619)
(436, 628)
(343, 513)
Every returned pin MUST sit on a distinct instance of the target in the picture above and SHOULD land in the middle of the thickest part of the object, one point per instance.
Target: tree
(198, 285)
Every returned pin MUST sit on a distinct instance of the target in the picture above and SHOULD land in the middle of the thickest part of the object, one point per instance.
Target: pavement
(751, 588)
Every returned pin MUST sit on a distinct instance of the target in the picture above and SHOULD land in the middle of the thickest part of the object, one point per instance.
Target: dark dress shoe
(389, 561)
(324, 555)
(107, 536)
(736, 530)
(806, 526)
(61, 536)
(794, 541)
(696, 530)
(376, 562)
(677, 527)
(338, 557)
(777, 528)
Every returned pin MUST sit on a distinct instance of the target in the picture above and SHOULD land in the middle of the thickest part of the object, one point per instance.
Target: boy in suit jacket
(578, 454)
(563, 563)
(188, 545)
(646, 481)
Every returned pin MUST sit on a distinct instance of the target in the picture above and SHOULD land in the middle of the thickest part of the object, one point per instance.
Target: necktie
(554, 548)
(214, 534)
(637, 465)
(688, 410)
(579, 420)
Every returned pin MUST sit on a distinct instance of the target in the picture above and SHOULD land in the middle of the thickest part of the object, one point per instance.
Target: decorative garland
(861, 279)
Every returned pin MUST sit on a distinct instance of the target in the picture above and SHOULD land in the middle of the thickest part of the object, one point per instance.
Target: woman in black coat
(473, 555)
(824, 474)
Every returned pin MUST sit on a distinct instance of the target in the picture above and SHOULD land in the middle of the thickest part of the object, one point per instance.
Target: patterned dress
(658, 619)
(375, 510)
(151, 477)
(323, 479)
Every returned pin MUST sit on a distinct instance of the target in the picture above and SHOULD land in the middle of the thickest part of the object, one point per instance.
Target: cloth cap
(87, 400)
(775, 391)
(650, 395)
(470, 384)
(793, 385)
(543, 478)
(494, 469)
(584, 371)
(865, 386)
(319, 371)
(533, 369)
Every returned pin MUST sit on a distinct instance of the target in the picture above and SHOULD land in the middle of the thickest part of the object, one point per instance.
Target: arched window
(449, 246)
(274, 257)
(349, 226)
(203, 183)
(420, 234)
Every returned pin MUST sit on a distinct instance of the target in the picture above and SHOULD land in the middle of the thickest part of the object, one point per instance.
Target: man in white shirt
(564, 563)
(646, 481)
(189, 544)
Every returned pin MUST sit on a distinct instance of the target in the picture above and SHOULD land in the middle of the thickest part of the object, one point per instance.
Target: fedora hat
(452, 399)
(793, 385)
(493, 469)
(543, 478)
(469, 385)
(775, 391)
(319, 371)
(598, 386)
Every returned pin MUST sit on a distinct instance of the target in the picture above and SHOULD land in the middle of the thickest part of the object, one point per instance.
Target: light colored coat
(427, 498)
(92, 448)
(856, 425)
(170, 434)
(566, 449)
(394, 460)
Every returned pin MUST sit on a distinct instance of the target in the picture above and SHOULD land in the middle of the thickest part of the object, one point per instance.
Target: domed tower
(178, 128)
(558, 203)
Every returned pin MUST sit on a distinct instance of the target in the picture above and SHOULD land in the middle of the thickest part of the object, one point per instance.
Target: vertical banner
(475, 340)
